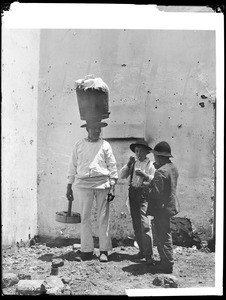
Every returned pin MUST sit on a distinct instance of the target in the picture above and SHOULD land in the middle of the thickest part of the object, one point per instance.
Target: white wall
(162, 86)
(157, 81)
(20, 66)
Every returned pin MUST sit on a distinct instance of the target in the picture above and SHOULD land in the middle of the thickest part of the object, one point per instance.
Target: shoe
(150, 261)
(165, 269)
(139, 255)
(103, 256)
(157, 262)
(86, 255)
(161, 268)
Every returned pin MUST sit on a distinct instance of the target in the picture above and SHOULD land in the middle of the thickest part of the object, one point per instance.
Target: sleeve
(72, 168)
(125, 172)
(111, 164)
(157, 185)
(151, 172)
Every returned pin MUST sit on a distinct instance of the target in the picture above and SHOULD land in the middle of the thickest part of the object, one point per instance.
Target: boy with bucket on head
(140, 170)
(163, 204)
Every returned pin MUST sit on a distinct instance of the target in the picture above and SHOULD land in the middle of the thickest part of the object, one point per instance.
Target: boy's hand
(131, 161)
(141, 174)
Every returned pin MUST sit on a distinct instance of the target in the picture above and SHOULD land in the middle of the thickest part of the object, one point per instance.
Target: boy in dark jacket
(163, 204)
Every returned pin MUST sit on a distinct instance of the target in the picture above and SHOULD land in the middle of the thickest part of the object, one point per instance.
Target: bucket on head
(93, 98)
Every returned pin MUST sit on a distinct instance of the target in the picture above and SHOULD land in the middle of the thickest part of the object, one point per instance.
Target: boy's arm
(156, 187)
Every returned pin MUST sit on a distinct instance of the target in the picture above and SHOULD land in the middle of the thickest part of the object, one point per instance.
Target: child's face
(140, 153)
(157, 159)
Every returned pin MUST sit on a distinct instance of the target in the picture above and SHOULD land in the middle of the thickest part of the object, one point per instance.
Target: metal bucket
(68, 216)
(63, 217)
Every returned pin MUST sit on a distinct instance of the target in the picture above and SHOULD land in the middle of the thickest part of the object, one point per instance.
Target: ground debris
(95, 278)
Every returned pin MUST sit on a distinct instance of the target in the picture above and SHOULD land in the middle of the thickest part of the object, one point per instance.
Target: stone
(54, 291)
(9, 279)
(22, 276)
(32, 242)
(53, 285)
(183, 234)
(167, 281)
(76, 246)
(30, 287)
(57, 262)
(66, 290)
(66, 280)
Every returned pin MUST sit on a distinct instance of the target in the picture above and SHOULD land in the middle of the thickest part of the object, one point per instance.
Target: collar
(164, 163)
(143, 160)
(91, 141)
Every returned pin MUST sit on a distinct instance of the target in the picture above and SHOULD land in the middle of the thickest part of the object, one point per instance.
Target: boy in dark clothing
(162, 204)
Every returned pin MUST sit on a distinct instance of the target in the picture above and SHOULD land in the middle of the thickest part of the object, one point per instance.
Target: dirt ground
(193, 268)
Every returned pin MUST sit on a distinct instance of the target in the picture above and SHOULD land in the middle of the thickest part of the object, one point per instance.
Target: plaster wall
(20, 67)
(162, 86)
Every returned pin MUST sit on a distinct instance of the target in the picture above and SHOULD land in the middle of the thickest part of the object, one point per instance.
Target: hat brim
(132, 147)
(101, 124)
(162, 153)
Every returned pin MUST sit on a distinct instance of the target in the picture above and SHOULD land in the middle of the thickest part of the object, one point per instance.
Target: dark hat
(94, 124)
(142, 143)
(162, 149)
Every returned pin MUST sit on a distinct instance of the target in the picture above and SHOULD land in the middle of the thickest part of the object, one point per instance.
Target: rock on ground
(170, 281)
(53, 285)
(9, 279)
(30, 287)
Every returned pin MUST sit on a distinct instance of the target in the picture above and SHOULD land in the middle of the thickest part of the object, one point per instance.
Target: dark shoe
(103, 256)
(161, 268)
(86, 255)
(165, 269)
(157, 262)
(139, 255)
(150, 261)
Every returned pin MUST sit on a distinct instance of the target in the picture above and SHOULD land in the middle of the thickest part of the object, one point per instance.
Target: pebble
(66, 280)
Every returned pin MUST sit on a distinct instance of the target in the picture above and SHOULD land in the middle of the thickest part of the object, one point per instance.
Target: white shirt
(145, 166)
(92, 165)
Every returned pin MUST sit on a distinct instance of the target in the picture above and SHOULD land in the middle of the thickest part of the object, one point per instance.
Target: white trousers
(86, 197)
